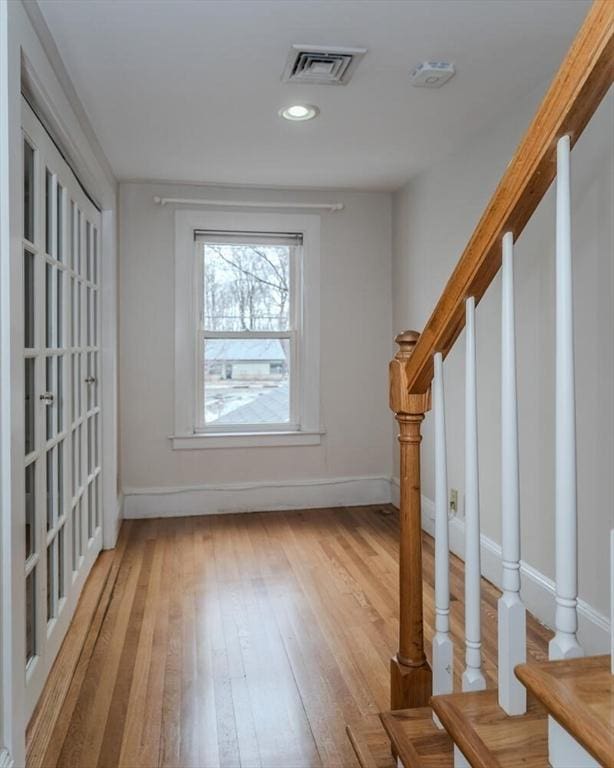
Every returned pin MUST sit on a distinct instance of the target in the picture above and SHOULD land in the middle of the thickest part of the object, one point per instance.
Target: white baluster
(564, 644)
(512, 618)
(564, 751)
(443, 651)
(473, 679)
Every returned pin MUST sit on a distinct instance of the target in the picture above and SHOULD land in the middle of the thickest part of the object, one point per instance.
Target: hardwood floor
(249, 640)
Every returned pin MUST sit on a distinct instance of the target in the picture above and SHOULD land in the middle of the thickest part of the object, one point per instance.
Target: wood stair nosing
(465, 738)
(361, 750)
(487, 736)
(579, 694)
(417, 741)
(370, 743)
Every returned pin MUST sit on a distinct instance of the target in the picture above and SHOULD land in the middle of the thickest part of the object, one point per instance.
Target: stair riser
(460, 761)
(564, 751)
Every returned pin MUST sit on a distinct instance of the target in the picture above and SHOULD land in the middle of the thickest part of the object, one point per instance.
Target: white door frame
(28, 54)
(63, 355)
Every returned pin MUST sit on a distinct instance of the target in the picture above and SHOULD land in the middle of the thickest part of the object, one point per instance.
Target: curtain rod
(248, 203)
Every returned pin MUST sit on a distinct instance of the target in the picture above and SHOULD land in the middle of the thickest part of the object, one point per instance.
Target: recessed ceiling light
(299, 112)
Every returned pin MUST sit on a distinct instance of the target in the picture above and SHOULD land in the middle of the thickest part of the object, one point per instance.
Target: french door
(62, 421)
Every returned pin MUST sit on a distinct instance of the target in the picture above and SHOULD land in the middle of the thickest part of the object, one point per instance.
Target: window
(250, 323)
(247, 313)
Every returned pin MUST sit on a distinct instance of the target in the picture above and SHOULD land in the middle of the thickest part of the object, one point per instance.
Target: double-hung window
(250, 324)
(247, 329)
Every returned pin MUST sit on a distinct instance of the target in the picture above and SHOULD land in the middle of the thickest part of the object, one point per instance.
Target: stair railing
(577, 90)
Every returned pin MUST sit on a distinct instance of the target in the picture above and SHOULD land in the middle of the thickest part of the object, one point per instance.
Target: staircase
(558, 713)
(578, 693)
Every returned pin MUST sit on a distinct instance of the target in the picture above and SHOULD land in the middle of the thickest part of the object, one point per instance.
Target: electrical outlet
(453, 504)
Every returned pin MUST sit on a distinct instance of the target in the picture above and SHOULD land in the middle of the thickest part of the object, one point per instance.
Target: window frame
(293, 334)
(304, 426)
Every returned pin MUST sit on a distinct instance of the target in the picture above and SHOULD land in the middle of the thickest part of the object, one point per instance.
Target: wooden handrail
(577, 90)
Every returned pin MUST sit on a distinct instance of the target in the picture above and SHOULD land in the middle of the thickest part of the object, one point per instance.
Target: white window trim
(186, 435)
(292, 334)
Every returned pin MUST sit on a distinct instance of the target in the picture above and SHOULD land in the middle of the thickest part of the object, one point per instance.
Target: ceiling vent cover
(321, 65)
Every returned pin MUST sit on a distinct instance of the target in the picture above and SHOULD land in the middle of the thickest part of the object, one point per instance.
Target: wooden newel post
(411, 677)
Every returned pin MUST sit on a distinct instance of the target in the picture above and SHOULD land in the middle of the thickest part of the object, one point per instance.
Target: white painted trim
(612, 601)
(6, 639)
(88, 162)
(537, 590)
(49, 635)
(21, 43)
(246, 439)
(6, 761)
(108, 393)
(12, 618)
(185, 405)
(265, 496)
(115, 523)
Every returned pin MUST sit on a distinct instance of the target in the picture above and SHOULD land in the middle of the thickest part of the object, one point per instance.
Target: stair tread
(418, 742)
(488, 736)
(371, 744)
(579, 694)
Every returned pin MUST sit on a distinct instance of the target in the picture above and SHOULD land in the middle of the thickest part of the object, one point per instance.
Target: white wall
(355, 347)
(433, 217)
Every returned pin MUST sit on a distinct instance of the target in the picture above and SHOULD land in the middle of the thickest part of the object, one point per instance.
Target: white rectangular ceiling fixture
(321, 64)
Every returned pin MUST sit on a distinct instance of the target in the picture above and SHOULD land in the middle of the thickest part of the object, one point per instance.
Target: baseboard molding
(109, 539)
(537, 589)
(255, 497)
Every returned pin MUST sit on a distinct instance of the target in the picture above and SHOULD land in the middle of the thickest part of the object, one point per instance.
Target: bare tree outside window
(247, 294)
(246, 287)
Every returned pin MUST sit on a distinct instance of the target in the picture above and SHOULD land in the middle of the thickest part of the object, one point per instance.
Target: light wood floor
(250, 640)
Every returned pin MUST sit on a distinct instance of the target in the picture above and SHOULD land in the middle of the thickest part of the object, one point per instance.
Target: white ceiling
(190, 91)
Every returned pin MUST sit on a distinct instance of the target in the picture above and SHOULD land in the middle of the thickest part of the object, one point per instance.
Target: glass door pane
(30, 508)
(30, 405)
(30, 616)
(28, 191)
(29, 340)
(60, 406)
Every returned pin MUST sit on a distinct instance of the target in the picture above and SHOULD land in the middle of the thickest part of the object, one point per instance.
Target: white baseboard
(537, 589)
(109, 539)
(255, 497)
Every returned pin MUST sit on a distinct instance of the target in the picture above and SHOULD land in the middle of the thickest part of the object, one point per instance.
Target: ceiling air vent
(321, 65)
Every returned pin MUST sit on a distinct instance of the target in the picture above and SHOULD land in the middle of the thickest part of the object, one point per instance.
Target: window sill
(246, 440)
